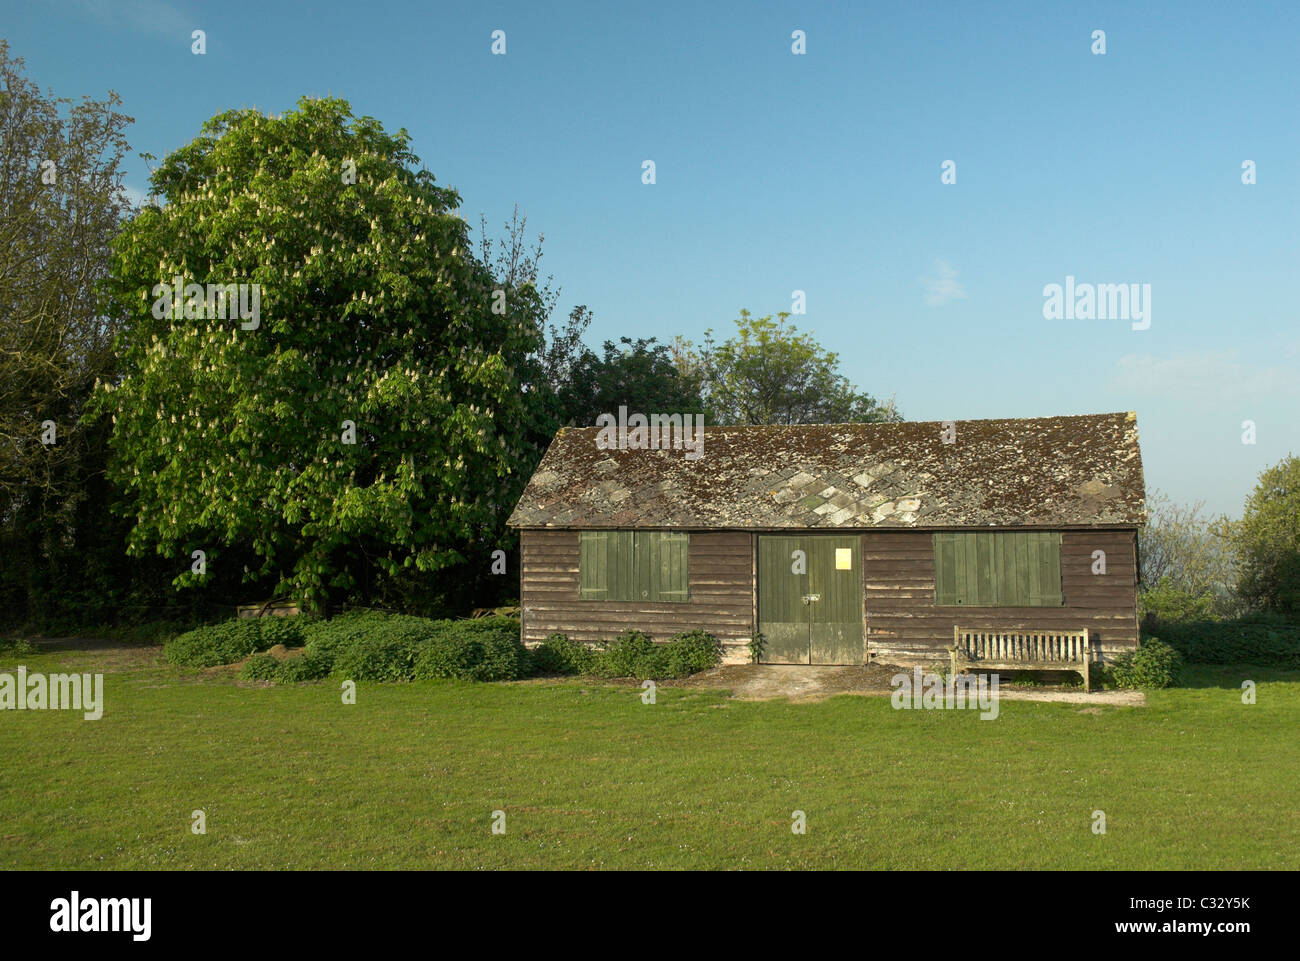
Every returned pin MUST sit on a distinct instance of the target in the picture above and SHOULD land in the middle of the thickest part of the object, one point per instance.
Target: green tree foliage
(61, 202)
(770, 373)
(1187, 562)
(1268, 539)
(639, 374)
(372, 311)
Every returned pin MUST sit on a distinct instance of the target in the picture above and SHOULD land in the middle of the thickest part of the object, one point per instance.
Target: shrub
(634, 654)
(289, 631)
(631, 654)
(214, 644)
(260, 667)
(325, 637)
(235, 639)
(1155, 664)
(266, 667)
(450, 656)
(372, 645)
(380, 656)
(559, 655)
(482, 649)
(306, 667)
(352, 632)
(504, 658)
(1265, 640)
(691, 652)
(17, 645)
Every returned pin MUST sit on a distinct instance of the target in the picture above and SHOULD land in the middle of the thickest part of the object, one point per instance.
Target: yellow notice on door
(844, 558)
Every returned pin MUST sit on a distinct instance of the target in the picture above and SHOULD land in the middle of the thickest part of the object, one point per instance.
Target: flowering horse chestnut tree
(371, 414)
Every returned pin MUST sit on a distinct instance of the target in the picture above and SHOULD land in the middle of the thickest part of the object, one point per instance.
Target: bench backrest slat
(1019, 645)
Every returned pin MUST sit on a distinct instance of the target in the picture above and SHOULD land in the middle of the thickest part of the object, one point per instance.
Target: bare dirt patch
(765, 682)
(796, 682)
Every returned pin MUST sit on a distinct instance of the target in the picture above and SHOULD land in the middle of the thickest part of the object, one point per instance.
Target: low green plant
(635, 654)
(559, 655)
(451, 656)
(631, 654)
(757, 645)
(375, 646)
(233, 640)
(382, 656)
(1153, 665)
(504, 657)
(290, 631)
(16, 645)
(482, 649)
(222, 643)
(260, 667)
(380, 646)
(306, 667)
(691, 652)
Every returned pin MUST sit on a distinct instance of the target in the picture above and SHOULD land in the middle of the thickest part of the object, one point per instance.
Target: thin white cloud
(1209, 375)
(943, 286)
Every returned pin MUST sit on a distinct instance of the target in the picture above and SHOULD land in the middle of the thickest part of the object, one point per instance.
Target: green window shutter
(622, 567)
(965, 569)
(593, 553)
(945, 570)
(673, 567)
(1029, 569)
(662, 566)
(1013, 570)
(646, 552)
(1045, 583)
(605, 566)
(986, 581)
(998, 569)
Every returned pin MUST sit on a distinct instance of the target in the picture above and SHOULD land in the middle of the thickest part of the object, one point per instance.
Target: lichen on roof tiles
(1049, 471)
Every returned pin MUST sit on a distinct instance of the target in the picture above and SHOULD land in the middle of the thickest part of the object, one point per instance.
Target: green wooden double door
(810, 598)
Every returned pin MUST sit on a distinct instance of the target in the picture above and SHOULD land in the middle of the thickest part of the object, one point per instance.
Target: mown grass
(590, 777)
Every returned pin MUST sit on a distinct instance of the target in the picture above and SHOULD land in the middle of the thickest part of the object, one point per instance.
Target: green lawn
(590, 777)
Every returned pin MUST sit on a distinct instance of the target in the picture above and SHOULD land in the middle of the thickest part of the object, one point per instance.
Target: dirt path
(104, 656)
(765, 682)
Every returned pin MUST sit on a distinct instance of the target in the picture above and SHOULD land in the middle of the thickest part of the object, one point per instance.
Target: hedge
(1258, 639)
(377, 646)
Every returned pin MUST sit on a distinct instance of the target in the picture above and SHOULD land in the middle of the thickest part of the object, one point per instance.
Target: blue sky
(822, 173)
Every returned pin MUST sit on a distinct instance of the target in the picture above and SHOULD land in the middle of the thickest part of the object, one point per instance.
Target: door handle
(810, 598)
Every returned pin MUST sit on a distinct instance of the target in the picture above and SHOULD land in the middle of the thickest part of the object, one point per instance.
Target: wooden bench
(1021, 650)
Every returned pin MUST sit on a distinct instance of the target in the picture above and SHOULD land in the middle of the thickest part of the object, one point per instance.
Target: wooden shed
(840, 542)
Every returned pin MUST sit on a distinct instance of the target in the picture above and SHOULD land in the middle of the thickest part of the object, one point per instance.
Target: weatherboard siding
(898, 571)
(720, 587)
(903, 620)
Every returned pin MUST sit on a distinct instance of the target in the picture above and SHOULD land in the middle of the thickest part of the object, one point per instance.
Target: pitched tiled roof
(1047, 471)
